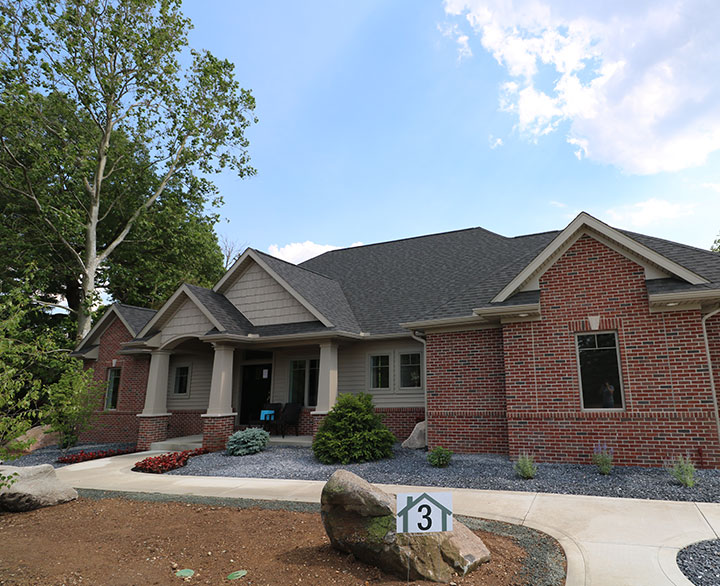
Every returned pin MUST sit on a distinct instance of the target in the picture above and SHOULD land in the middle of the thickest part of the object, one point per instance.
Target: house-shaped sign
(424, 512)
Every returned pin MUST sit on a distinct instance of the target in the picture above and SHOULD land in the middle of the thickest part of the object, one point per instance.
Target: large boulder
(418, 437)
(34, 487)
(360, 519)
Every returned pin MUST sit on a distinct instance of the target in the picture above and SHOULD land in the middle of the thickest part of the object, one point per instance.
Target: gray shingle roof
(136, 317)
(227, 315)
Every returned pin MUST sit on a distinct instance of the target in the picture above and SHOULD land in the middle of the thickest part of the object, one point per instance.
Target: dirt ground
(123, 542)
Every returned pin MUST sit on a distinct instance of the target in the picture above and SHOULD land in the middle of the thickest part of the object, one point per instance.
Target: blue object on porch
(267, 415)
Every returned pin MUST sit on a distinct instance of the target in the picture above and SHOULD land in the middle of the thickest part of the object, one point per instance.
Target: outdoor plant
(525, 466)
(83, 456)
(682, 469)
(352, 432)
(166, 462)
(439, 457)
(247, 441)
(603, 458)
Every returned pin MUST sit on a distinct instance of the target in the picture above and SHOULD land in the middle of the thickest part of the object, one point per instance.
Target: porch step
(291, 440)
(178, 444)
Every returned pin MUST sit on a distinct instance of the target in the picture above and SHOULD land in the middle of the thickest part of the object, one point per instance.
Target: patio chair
(290, 417)
(268, 416)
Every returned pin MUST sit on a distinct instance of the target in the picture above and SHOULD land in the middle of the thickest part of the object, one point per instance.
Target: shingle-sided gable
(187, 319)
(264, 301)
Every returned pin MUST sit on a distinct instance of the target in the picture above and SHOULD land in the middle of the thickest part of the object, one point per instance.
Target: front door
(255, 390)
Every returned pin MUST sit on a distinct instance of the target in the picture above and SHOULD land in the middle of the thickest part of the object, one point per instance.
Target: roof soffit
(655, 264)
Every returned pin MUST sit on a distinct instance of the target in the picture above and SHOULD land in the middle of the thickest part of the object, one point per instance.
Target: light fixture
(522, 314)
(672, 304)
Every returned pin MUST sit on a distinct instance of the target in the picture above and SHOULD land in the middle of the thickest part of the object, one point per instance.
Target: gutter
(710, 368)
(417, 336)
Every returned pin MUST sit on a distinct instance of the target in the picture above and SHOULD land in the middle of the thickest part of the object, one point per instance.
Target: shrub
(682, 470)
(166, 462)
(603, 458)
(525, 466)
(352, 432)
(247, 441)
(439, 457)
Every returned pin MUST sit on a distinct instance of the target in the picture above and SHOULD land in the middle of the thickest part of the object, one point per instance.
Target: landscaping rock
(418, 437)
(360, 519)
(34, 487)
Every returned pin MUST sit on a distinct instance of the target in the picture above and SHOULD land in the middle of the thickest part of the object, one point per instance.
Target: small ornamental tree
(352, 432)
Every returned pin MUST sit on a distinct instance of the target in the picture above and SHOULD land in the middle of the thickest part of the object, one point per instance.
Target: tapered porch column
(328, 377)
(155, 418)
(219, 421)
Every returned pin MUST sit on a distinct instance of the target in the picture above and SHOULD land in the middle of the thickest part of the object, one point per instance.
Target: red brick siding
(216, 431)
(401, 420)
(184, 423)
(152, 429)
(666, 387)
(118, 425)
(466, 393)
(306, 422)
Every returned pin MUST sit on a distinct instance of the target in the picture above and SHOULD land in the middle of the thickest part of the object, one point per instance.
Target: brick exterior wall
(121, 424)
(216, 431)
(306, 422)
(152, 429)
(401, 420)
(466, 391)
(184, 423)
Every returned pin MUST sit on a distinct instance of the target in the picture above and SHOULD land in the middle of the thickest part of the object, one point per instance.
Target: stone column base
(216, 431)
(153, 428)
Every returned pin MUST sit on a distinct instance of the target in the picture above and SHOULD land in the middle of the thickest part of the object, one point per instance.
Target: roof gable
(284, 277)
(132, 317)
(619, 241)
(172, 305)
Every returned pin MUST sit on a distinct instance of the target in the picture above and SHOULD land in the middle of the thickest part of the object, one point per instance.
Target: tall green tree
(83, 83)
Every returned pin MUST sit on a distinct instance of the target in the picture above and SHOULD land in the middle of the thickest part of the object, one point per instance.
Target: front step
(178, 444)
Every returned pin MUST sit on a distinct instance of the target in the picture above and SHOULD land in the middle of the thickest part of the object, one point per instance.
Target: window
(113, 386)
(410, 371)
(599, 363)
(304, 376)
(181, 386)
(380, 371)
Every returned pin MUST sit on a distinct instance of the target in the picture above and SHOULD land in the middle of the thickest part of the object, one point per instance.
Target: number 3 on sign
(424, 512)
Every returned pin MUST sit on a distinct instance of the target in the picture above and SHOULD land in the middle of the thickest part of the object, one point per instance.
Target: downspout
(710, 368)
(416, 335)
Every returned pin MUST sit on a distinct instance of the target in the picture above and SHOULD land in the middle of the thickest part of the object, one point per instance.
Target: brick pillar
(317, 419)
(153, 428)
(216, 431)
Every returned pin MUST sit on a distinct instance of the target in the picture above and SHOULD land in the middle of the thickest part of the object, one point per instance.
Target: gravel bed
(543, 566)
(700, 562)
(50, 454)
(478, 471)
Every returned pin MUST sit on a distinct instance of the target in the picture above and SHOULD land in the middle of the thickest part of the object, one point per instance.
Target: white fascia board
(103, 323)
(446, 321)
(230, 273)
(183, 289)
(585, 219)
(507, 310)
(685, 296)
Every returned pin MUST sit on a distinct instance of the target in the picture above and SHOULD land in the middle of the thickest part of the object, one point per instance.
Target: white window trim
(107, 388)
(401, 353)
(369, 384)
(395, 370)
(306, 360)
(174, 394)
(620, 374)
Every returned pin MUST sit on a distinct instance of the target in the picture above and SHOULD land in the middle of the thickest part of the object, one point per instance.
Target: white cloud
(297, 252)
(633, 79)
(558, 204)
(711, 186)
(646, 213)
(494, 142)
(452, 31)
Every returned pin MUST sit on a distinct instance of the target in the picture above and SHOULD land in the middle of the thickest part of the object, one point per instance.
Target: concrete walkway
(607, 541)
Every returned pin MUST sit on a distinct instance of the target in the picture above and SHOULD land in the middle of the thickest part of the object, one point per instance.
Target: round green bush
(247, 441)
(352, 432)
(439, 457)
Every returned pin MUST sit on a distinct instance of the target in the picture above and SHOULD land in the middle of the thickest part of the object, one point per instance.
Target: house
(546, 343)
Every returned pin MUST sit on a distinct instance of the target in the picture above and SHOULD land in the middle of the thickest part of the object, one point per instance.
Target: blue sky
(383, 120)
